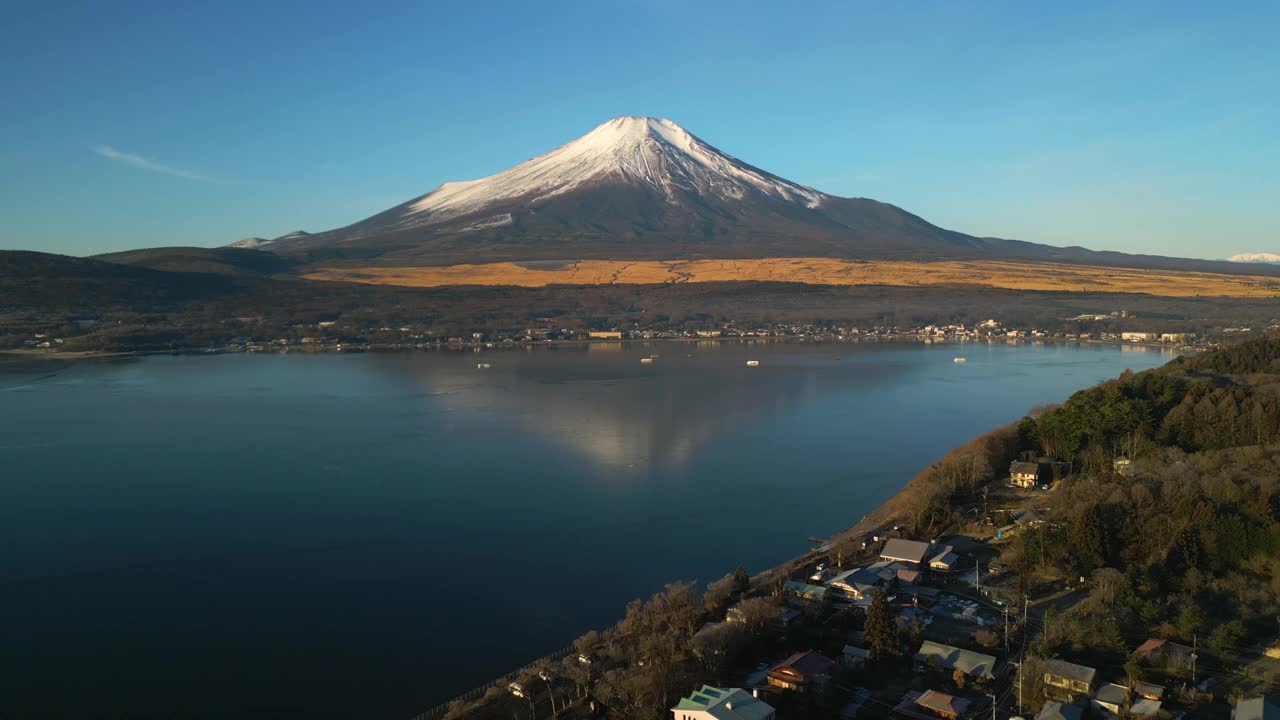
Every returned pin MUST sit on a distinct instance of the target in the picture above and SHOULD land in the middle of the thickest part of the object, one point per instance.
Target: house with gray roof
(907, 551)
(946, 657)
(1068, 678)
(1110, 700)
(713, 703)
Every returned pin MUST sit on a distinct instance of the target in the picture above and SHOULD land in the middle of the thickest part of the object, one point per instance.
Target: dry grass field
(822, 271)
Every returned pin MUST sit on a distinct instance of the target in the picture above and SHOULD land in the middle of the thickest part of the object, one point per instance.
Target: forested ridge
(1182, 542)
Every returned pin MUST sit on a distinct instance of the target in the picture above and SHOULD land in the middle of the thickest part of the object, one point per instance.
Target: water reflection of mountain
(615, 412)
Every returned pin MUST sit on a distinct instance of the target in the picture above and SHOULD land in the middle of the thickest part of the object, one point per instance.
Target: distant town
(340, 336)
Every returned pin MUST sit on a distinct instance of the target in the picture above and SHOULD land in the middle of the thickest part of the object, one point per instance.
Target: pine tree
(882, 635)
(741, 582)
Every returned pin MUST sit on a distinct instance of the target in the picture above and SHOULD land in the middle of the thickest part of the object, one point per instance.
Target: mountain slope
(631, 188)
(31, 280)
(233, 260)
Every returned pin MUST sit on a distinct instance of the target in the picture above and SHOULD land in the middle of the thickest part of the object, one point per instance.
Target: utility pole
(1195, 645)
(1024, 659)
(1006, 629)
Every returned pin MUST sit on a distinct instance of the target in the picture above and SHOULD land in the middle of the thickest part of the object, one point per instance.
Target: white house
(713, 703)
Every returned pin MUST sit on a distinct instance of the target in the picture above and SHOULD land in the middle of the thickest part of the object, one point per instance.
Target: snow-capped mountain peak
(653, 151)
(1262, 257)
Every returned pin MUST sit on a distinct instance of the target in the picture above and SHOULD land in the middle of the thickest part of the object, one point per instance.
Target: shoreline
(76, 355)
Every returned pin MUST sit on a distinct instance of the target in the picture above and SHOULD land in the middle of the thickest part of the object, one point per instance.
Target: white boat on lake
(752, 363)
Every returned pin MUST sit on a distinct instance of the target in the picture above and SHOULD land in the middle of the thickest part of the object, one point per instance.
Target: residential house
(1255, 708)
(1148, 691)
(801, 671)
(946, 657)
(1156, 649)
(804, 595)
(1054, 710)
(911, 552)
(1110, 699)
(908, 577)
(1144, 708)
(854, 657)
(947, 561)
(713, 703)
(860, 583)
(1138, 336)
(929, 705)
(1024, 474)
(1068, 679)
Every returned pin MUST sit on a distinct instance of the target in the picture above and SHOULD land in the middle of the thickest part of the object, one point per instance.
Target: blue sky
(1126, 126)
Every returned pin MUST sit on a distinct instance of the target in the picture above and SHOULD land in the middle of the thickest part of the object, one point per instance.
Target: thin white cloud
(142, 163)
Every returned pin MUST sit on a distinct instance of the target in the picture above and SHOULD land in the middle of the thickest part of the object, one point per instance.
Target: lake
(365, 536)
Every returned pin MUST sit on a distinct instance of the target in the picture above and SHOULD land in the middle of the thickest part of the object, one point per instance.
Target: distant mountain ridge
(1262, 257)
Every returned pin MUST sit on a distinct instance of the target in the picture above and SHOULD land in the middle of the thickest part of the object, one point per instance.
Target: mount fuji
(632, 188)
(643, 188)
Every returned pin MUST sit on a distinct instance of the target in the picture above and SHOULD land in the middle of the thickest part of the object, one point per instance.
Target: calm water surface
(364, 536)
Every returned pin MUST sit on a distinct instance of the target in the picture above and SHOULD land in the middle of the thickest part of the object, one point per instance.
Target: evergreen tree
(1092, 541)
(882, 635)
(741, 582)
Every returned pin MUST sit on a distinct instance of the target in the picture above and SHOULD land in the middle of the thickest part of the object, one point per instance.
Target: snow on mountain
(250, 243)
(1263, 257)
(653, 151)
(257, 242)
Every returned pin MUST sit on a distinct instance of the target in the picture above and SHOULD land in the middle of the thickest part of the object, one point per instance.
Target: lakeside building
(912, 552)
(713, 703)
(804, 595)
(802, 671)
(1024, 474)
(862, 582)
(947, 562)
